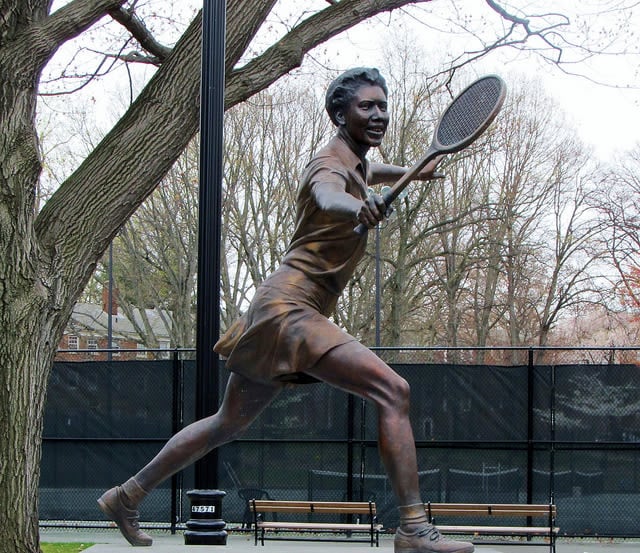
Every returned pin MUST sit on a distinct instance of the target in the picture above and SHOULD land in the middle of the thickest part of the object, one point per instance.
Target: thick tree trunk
(25, 359)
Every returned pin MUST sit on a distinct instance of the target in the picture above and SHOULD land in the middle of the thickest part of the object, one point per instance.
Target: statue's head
(342, 90)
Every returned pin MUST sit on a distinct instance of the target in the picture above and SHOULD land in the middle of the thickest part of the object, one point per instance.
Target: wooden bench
(364, 511)
(481, 510)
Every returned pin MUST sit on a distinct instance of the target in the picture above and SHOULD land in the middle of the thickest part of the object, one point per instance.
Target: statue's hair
(343, 89)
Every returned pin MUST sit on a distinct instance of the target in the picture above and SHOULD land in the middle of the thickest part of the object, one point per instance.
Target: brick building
(88, 330)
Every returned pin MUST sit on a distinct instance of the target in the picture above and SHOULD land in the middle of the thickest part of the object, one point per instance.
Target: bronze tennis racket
(464, 120)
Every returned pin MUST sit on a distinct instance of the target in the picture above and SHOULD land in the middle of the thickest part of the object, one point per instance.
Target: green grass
(64, 547)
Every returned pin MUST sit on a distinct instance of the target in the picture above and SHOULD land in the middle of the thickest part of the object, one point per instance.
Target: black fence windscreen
(502, 433)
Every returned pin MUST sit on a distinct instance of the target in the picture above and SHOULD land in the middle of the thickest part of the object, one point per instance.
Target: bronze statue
(285, 336)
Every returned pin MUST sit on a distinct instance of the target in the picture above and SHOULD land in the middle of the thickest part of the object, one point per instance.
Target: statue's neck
(357, 148)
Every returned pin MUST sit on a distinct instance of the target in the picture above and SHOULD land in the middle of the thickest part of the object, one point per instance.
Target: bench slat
(317, 526)
(498, 509)
(323, 503)
(317, 510)
(507, 530)
(309, 507)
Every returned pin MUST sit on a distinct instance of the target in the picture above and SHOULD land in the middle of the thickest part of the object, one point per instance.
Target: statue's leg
(243, 401)
(354, 368)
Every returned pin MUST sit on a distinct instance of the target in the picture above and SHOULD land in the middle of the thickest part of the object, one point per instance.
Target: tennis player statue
(286, 338)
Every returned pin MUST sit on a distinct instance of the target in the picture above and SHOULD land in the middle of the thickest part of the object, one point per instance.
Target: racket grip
(361, 229)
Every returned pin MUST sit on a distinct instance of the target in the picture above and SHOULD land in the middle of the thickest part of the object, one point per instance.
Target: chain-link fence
(491, 425)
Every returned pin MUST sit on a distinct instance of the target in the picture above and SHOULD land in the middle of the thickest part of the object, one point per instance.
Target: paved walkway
(110, 541)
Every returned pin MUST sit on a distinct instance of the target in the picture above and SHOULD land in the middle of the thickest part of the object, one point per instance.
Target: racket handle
(361, 229)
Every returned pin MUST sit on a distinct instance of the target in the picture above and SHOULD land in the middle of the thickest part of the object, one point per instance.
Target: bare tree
(268, 143)
(155, 256)
(537, 255)
(618, 205)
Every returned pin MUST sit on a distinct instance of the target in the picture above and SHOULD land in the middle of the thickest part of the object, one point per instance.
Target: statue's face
(366, 117)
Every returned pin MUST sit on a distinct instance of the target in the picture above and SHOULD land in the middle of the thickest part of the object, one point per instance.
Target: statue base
(205, 527)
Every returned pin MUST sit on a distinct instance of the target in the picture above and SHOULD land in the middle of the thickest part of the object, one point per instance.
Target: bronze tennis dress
(286, 330)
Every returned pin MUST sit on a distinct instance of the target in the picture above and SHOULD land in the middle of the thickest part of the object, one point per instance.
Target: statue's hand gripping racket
(466, 118)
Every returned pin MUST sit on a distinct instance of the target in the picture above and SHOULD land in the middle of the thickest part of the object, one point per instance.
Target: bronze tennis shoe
(417, 535)
(112, 505)
(428, 540)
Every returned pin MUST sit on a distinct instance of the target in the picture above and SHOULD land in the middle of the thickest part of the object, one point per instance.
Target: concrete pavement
(108, 540)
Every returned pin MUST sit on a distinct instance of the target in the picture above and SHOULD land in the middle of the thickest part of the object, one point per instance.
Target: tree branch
(70, 21)
(251, 14)
(543, 33)
(129, 20)
(288, 53)
(169, 113)
(42, 35)
(520, 32)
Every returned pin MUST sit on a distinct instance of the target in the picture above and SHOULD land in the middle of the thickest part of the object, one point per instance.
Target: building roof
(91, 319)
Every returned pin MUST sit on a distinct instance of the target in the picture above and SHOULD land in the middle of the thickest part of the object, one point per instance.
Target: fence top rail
(127, 350)
(505, 348)
(387, 348)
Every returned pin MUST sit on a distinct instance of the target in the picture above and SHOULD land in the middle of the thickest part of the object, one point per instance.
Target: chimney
(114, 300)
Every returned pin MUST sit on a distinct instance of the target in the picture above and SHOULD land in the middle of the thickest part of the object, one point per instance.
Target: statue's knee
(401, 393)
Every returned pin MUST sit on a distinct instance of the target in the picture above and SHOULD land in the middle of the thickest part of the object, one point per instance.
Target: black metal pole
(110, 305)
(211, 171)
(351, 416)
(177, 417)
(552, 436)
(378, 291)
(530, 424)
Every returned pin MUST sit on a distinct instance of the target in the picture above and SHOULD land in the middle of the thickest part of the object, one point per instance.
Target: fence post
(530, 428)
(552, 435)
(363, 445)
(350, 444)
(177, 419)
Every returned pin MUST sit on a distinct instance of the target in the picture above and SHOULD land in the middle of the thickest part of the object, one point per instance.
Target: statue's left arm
(384, 172)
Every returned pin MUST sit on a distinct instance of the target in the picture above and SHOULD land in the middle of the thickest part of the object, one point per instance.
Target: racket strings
(469, 112)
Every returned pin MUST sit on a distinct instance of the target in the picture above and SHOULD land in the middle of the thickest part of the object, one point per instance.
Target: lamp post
(205, 527)
(210, 221)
